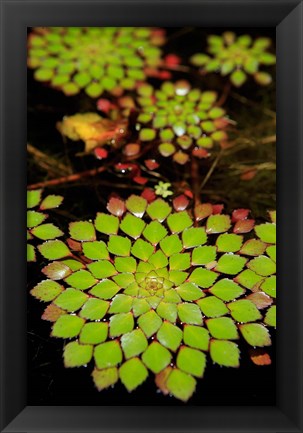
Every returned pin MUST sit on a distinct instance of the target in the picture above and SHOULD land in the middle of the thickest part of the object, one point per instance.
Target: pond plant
(161, 281)
(237, 58)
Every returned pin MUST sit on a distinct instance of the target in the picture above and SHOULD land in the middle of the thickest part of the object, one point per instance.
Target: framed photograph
(161, 138)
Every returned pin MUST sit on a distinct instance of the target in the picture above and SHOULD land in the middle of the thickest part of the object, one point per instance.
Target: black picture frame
(287, 17)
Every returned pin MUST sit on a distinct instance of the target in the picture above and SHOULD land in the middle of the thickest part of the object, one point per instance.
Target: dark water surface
(49, 383)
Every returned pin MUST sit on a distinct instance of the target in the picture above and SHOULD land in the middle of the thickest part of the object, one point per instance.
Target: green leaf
(136, 205)
(158, 260)
(125, 264)
(94, 309)
(262, 265)
(105, 378)
(271, 251)
(47, 290)
(196, 337)
(193, 237)
(51, 202)
(256, 334)
(43, 74)
(171, 245)
(94, 333)
(31, 253)
(230, 264)
(266, 232)
(158, 210)
(67, 326)
(171, 296)
(94, 90)
(227, 290)
(70, 300)
(108, 224)
(212, 306)
(270, 317)
(34, 218)
(248, 279)
(108, 354)
(251, 65)
(46, 231)
(154, 232)
(95, 250)
(82, 231)
(119, 245)
(149, 323)
(133, 343)
(132, 226)
(167, 311)
(269, 286)
(177, 277)
(217, 224)
(81, 280)
(124, 280)
(179, 261)
(203, 277)
(191, 361)
(244, 311)
(121, 304)
(229, 242)
(156, 357)
(56, 271)
(223, 328)
(253, 247)
(189, 292)
(238, 77)
(74, 265)
(181, 385)
(76, 354)
(166, 149)
(133, 373)
(147, 134)
(33, 198)
(142, 249)
(263, 78)
(121, 324)
(53, 250)
(170, 336)
(225, 353)
(140, 306)
(102, 269)
(189, 313)
(106, 289)
(203, 255)
(177, 222)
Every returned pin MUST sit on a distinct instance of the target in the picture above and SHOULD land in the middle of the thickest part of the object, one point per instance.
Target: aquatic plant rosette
(237, 57)
(96, 59)
(146, 289)
(185, 121)
(36, 216)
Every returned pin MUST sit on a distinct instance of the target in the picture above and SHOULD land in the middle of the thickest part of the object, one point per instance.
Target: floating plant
(147, 289)
(96, 59)
(237, 57)
(36, 228)
(184, 121)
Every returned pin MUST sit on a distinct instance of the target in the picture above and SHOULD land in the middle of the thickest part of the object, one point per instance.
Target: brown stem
(224, 96)
(211, 170)
(66, 179)
(195, 177)
(47, 162)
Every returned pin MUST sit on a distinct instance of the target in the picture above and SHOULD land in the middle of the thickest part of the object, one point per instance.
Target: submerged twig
(47, 162)
(66, 179)
(212, 168)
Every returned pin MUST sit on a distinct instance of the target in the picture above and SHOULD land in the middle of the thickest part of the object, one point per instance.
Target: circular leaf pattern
(169, 289)
(96, 59)
(237, 57)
